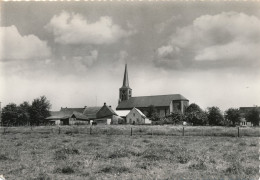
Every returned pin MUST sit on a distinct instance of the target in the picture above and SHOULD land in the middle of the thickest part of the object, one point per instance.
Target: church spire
(125, 92)
(125, 80)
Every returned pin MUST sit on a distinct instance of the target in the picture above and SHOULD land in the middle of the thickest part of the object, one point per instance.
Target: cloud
(226, 37)
(71, 28)
(15, 46)
(88, 60)
(160, 28)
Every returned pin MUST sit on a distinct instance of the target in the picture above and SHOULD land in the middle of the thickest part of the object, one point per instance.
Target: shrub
(114, 169)
(3, 157)
(146, 141)
(62, 153)
(65, 170)
(118, 154)
(251, 170)
(42, 176)
(235, 168)
(198, 166)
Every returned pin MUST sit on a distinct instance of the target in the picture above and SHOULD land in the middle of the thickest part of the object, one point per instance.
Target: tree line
(26, 113)
(211, 116)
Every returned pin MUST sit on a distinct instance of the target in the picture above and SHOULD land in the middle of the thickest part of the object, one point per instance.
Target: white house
(135, 116)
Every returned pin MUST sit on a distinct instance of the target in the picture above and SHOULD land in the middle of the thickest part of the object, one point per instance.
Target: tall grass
(166, 130)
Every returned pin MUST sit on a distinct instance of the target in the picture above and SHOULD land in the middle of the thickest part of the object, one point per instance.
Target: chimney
(105, 104)
(110, 106)
(85, 107)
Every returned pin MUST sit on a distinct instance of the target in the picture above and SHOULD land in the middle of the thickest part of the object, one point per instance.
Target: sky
(74, 53)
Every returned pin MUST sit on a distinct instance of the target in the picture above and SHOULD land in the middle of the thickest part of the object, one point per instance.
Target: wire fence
(131, 130)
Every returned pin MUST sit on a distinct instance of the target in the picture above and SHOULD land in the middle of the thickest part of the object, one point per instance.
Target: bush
(198, 166)
(3, 157)
(62, 153)
(65, 170)
(114, 169)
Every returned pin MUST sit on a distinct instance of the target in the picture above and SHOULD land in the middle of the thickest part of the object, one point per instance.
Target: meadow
(110, 152)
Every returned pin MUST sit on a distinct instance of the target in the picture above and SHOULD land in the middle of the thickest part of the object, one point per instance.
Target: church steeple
(125, 80)
(125, 92)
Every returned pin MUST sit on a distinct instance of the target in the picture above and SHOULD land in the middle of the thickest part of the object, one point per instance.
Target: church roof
(125, 80)
(145, 101)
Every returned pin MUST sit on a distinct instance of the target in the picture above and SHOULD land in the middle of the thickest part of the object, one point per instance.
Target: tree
(233, 116)
(10, 114)
(193, 108)
(152, 113)
(39, 110)
(23, 110)
(215, 117)
(174, 117)
(195, 115)
(253, 116)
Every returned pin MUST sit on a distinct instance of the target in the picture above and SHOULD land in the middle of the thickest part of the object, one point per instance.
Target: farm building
(106, 115)
(165, 104)
(135, 116)
(245, 123)
(70, 116)
(122, 114)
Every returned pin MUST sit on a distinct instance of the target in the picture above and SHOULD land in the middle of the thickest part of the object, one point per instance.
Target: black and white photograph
(129, 90)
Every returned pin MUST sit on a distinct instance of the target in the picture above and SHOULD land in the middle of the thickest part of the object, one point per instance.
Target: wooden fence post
(90, 130)
(183, 131)
(131, 131)
(238, 131)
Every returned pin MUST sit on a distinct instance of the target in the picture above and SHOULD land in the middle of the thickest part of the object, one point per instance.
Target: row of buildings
(130, 110)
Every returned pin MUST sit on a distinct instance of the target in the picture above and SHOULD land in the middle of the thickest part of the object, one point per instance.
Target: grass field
(43, 153)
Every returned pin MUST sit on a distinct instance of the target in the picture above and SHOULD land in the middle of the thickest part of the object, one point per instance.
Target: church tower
(125, 92)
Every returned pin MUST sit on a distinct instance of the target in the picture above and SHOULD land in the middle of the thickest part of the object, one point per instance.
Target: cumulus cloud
(228, 36)
(86, 60)
(15, 46)
(160, 28)
(71, 28)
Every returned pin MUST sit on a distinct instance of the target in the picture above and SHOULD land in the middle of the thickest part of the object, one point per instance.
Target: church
(164, 104)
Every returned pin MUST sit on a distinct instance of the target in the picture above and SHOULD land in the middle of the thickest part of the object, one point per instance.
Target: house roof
(79, 113)
(140, 112)
(55, 115)
(79, 116)
(105, 111)
(145, 101)
(71, 110)
(91, 112)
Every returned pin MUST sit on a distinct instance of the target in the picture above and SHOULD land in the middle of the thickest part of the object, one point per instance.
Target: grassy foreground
(46, 155)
